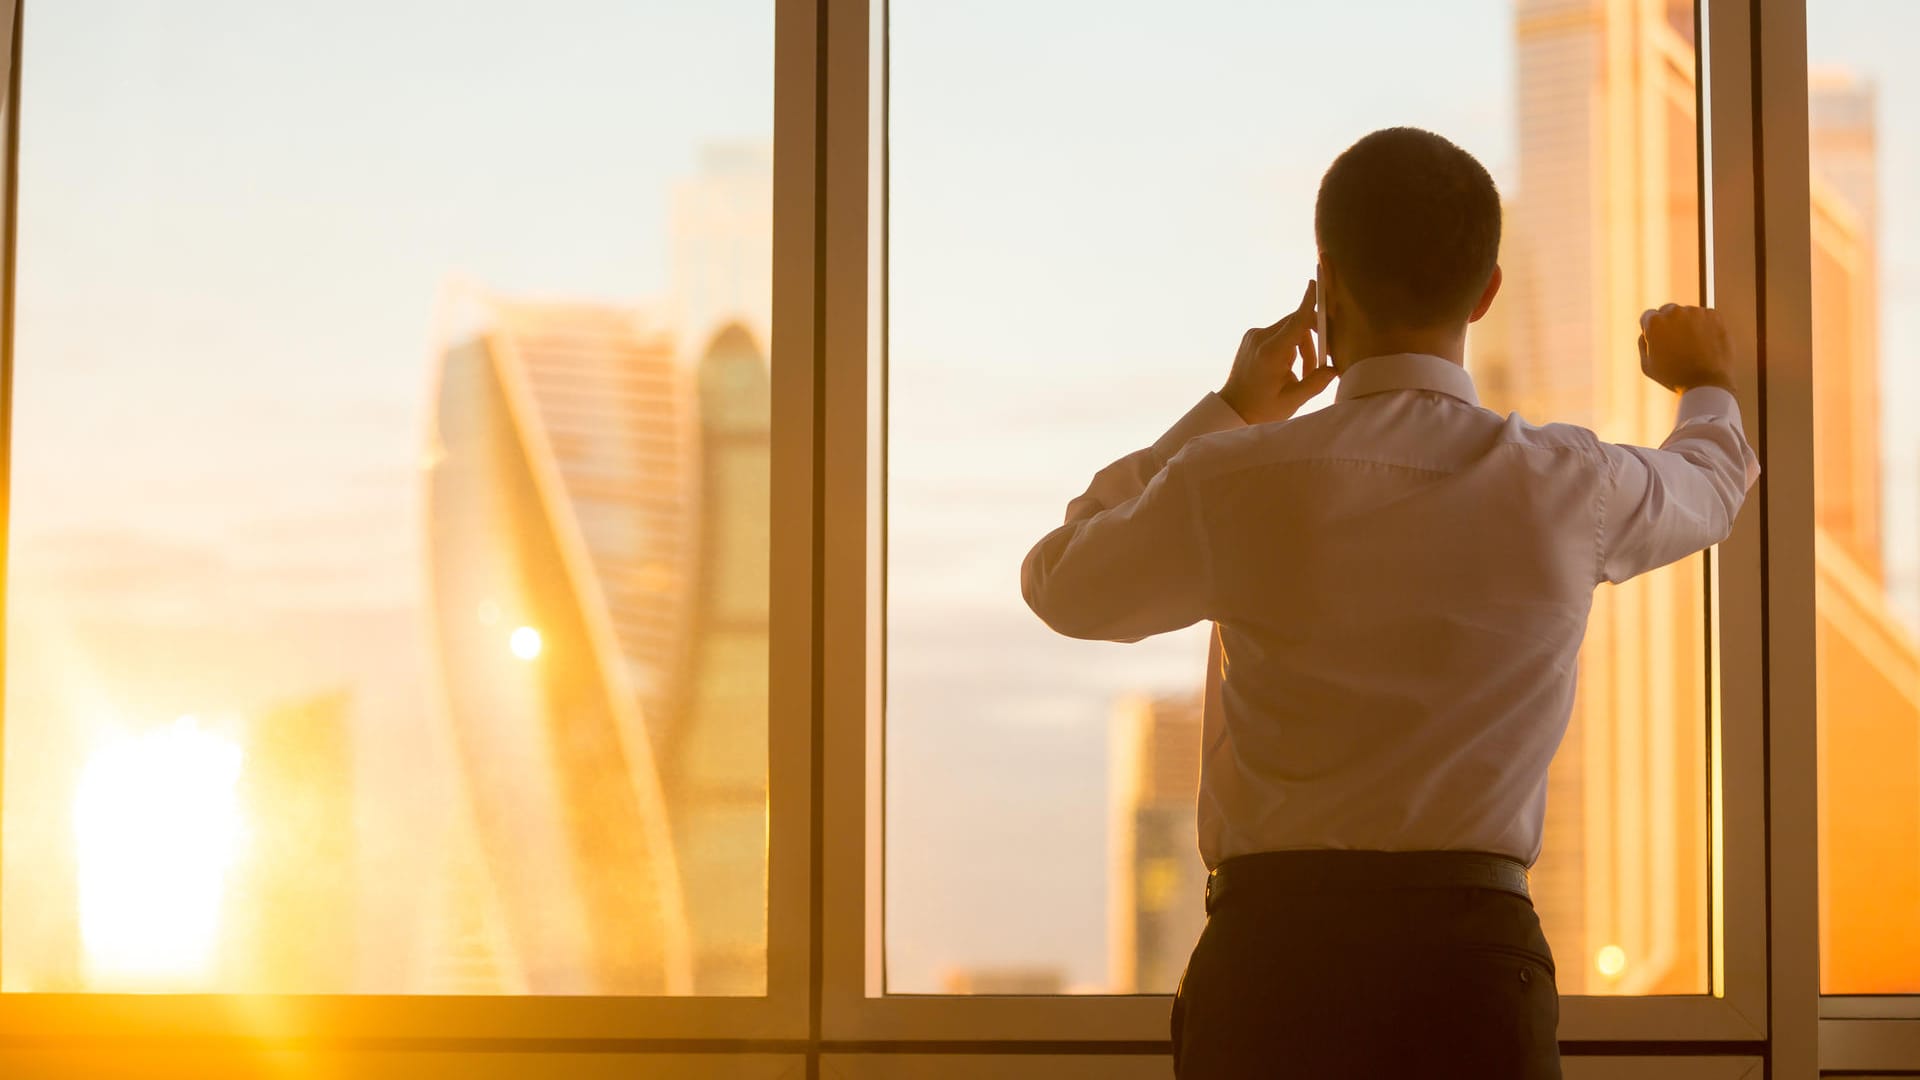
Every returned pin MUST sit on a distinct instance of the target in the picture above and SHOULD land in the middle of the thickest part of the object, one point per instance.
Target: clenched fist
(1683, 347)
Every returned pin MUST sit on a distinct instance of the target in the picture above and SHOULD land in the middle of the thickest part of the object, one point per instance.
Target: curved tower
(598, 545)
(560, 513)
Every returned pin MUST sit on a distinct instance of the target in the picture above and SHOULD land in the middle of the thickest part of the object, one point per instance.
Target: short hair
(1411, 223)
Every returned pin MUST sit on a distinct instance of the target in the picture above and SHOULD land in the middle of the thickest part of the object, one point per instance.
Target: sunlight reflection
(156, 827)
(525, 642)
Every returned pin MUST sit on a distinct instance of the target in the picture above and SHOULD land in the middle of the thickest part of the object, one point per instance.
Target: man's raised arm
(1663, 505)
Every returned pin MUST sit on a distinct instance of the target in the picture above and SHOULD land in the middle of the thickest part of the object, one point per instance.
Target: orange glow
(156, 828)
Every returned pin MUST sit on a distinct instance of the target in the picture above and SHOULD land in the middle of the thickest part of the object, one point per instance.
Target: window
(410, 543)
(1075, 246)
(1865, 170)
(389, 526)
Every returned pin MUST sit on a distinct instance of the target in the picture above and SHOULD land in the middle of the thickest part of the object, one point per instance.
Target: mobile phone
(1321, 342)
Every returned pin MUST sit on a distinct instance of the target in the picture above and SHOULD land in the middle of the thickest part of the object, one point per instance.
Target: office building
(1156, 881)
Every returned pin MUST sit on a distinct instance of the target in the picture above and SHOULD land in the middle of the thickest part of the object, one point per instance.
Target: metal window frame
(1758, 934)
(913, 1066)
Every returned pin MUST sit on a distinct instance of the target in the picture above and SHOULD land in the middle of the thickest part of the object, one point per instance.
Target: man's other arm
(1131, 560)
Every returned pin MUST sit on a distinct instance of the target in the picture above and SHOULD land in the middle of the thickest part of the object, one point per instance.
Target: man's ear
(1486, 297)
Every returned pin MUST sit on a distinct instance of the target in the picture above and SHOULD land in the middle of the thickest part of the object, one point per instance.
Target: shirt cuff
(1704, 402)
(1712, 404)
(1210, 415)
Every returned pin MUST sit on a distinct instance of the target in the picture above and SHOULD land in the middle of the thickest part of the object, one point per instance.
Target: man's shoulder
(1333, 437)
(1343, 435)
(1298, 438)
(1561, 436)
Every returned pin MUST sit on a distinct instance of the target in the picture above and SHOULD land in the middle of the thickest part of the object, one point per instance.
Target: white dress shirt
(1399, 585)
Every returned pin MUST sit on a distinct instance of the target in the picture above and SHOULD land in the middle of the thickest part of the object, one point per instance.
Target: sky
(238, 222)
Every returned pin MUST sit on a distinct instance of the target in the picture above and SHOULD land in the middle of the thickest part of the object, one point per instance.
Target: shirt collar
(1406, 371)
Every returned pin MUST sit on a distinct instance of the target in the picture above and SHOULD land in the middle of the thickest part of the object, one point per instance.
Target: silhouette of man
(1398, 585)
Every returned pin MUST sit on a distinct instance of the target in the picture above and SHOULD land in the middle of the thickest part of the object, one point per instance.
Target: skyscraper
(1604, 222)
(597, 520)
(1868, 661)
(557, 511)
(722, 236)
(716, 745)
(291, 926)
(1155, 881)
(1846, 315)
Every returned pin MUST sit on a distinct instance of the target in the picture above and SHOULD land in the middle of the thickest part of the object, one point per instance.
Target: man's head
(1409, 224)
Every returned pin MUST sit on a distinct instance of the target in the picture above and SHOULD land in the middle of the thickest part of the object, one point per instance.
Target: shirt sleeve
(1131, 560)
(1663, 505)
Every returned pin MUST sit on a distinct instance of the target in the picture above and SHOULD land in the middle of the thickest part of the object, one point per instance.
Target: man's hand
(1263, 387)
(1683, 347)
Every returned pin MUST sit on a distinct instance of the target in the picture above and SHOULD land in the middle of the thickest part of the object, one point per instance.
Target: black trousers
(1325, 979)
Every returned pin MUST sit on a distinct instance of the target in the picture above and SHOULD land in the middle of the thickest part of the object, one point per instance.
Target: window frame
(826, 748)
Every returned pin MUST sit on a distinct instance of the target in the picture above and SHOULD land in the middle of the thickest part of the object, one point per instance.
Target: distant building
(1156, 882)
(1603, 222)
(1868, 660)
(291, 924)
(722, 237)
(1008, 980)
(715, 725)
(597, 545)
(1846, 316)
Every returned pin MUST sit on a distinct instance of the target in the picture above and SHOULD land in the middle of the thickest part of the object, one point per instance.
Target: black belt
(1325, 871)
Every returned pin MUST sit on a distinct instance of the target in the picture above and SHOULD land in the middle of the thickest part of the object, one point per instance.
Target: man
(1399, 585)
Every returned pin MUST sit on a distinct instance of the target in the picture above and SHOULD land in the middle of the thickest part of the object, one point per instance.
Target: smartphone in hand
(1320, 342)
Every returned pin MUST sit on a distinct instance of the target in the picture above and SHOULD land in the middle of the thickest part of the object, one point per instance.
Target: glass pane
(1864, 143)
(389, 554)
(1077, 245)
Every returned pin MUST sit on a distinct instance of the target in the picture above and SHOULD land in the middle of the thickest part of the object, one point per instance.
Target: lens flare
(525, 642)
(156, 821)
(1611, 960)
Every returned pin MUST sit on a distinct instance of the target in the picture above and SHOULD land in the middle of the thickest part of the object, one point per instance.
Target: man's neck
(1448, 344)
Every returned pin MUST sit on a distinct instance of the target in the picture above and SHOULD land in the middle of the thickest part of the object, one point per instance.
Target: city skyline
(250, 316)
(274, 374)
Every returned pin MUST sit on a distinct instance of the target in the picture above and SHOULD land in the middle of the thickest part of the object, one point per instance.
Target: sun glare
(156, 827)
(525, 642)
(1611, 960)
